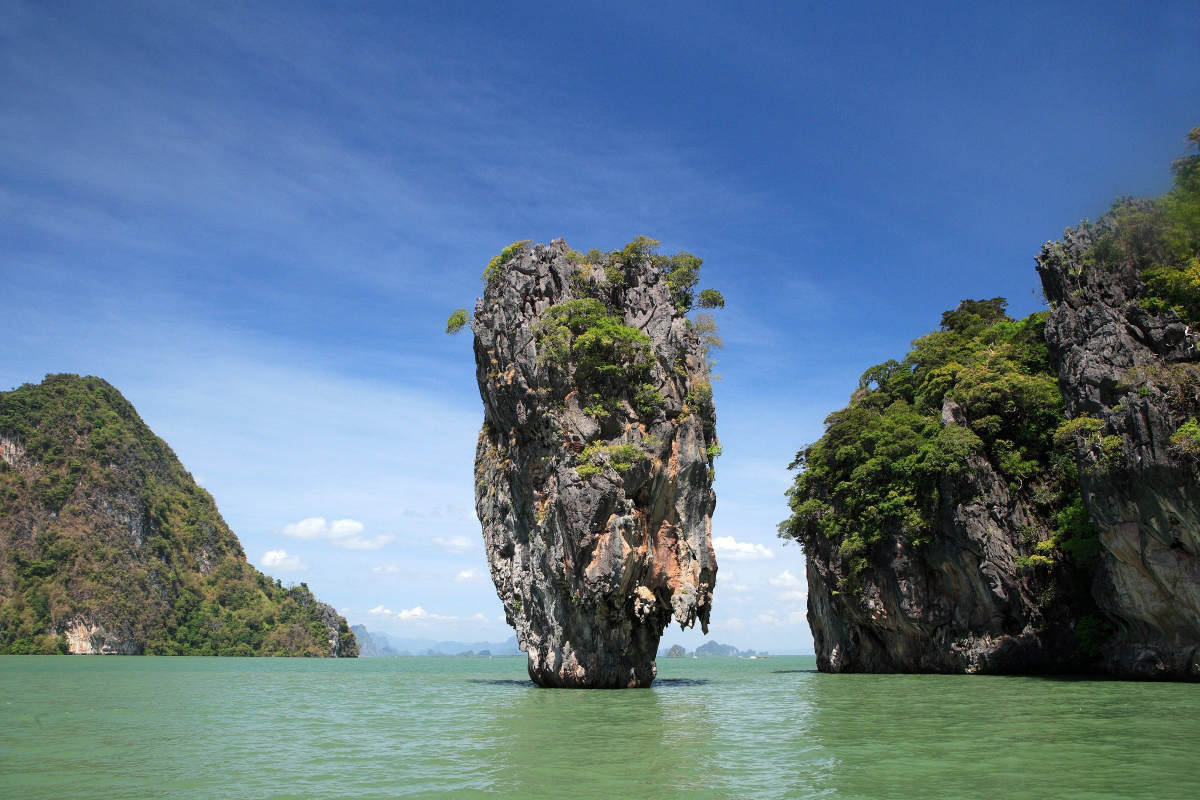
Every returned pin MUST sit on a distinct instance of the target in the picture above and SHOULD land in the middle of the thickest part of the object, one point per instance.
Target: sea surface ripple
(79, 727)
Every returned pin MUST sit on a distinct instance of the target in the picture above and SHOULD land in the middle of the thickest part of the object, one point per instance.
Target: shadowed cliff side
(594, 464)
(1123, 332)
(107, 545)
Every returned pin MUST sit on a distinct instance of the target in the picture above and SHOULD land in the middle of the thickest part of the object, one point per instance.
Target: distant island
(378, 645)
(710, 649)
(108, 546)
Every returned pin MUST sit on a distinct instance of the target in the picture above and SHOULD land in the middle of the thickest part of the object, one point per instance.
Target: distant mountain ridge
(382, 645)
(108, 546)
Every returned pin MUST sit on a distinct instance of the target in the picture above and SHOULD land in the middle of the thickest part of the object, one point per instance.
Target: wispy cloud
(468, 576)
(786, 580)
(390, 569)
(419, 617)
(730, 548)
(345, 533)
(416, 614)
(455, 544)
(280, 561)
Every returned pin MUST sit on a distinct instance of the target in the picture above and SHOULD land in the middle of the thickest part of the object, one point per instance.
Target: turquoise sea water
(710, 728)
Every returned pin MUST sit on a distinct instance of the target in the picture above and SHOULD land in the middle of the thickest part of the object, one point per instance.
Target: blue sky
(254, 222)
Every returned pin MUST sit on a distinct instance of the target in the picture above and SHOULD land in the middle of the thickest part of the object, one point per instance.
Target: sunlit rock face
(1137, 372)
(593, 477)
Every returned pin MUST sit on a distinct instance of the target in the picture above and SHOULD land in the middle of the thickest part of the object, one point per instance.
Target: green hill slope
(108, 545)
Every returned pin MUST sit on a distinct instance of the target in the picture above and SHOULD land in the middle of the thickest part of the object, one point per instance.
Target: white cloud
(415, 615)
(390, 569)
(307, 529)
(345, 533)
(479, 618)
(468, 576)
(792, 588)
(728, 547)
(733, 623)
(455, 544)
(280, 561)
(786, 580)
(737, 588)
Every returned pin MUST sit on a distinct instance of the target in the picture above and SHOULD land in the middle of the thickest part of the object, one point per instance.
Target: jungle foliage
(100, 521)
(884, 461)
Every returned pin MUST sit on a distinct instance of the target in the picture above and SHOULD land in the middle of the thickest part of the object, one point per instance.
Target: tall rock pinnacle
(593, 472)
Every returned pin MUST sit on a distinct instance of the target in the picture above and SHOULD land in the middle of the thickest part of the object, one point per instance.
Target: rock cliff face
(593, 468)
(960, 602)
(940, 515)
(1138, 374)
(107, 545)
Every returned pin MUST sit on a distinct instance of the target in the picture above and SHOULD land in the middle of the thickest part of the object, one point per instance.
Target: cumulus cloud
(280, 561)
(415, 615)
(786, 580)
(729, 548)
(455, 544)
(791, 588)
(345, 533)
(468, 576)
(419, 617)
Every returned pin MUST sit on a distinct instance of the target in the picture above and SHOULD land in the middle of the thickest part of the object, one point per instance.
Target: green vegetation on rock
(495, 267)
(457, 321)
(620, 457)
(711, 298)
(101, 525)
(1186, 439)
(609, 357)
(879, 468)
(1161, 238)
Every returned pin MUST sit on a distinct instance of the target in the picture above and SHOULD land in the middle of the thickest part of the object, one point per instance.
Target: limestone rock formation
(960, 602)
(594, 465)
(940, 515)
(108, 546)
(1138, 374)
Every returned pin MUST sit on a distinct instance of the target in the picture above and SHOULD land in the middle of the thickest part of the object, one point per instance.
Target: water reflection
(580, 743)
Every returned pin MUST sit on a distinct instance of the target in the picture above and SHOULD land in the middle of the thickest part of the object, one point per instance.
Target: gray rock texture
(1139, 374)
(957, 604)
(592, 552)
